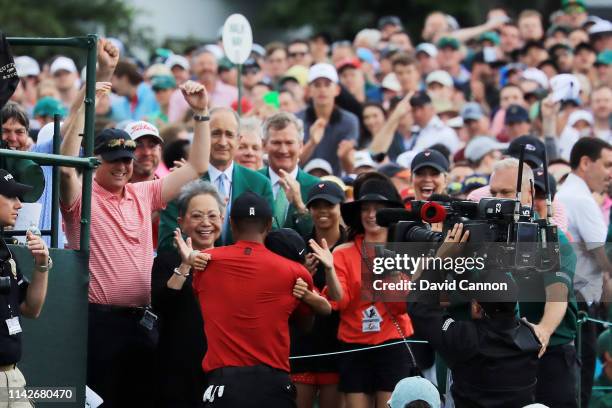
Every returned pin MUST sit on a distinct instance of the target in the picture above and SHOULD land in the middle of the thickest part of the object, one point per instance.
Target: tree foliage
(68, 18)
(344, 18)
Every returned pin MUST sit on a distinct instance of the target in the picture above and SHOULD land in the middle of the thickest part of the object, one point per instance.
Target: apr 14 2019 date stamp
(38, 394)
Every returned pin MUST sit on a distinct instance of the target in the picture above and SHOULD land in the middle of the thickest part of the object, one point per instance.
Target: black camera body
(505, 237)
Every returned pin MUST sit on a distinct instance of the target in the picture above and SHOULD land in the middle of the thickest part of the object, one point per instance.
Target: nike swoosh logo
(301, 252)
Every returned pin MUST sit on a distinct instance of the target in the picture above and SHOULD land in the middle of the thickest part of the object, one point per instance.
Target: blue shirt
(343, 125)
(46, 198)
(146, 105)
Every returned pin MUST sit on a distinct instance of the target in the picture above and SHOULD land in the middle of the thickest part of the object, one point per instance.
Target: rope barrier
(359, 349)
(606, 324)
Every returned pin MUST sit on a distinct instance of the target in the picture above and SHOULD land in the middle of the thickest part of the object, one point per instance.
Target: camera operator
(556, 318)
(19, 297)
(484, 353)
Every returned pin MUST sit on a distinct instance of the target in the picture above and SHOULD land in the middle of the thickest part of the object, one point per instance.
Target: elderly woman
(181, 336)
(368, 377)
(250, 148)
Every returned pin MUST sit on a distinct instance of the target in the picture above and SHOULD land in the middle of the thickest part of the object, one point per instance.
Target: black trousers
(589, 352)
(556, 385)
(120, 357)
(249, 387)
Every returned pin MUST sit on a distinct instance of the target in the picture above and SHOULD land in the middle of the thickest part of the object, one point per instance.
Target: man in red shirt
(246, 299)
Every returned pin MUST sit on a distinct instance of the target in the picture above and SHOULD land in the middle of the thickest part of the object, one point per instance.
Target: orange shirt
(364, 322)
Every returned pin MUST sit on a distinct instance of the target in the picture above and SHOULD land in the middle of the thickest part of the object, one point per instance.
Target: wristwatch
(177, 272)
(45, 268)
(201, 118)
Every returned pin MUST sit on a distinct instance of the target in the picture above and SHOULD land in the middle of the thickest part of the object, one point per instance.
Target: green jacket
(601, 398)
(243, 180)
(300, 223)
(533, 311)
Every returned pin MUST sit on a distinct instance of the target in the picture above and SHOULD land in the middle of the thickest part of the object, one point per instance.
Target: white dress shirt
(274, 177)
(588, 227)
(436, 132)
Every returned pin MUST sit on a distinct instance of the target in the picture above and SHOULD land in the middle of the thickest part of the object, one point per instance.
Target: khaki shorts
(12, 379)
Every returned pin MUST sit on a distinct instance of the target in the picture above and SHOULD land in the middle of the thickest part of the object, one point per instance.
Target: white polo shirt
(588, 227)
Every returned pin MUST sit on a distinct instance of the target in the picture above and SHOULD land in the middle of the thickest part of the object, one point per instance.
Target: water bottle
(33, 228)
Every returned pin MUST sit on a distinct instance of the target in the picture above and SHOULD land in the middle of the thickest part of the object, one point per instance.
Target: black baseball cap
(533, 152)
(538, 181)
(9, 187)
(250, 205)
(287, 243)
(389, 20)
(516, 114)
(326, 190)
(250, 65)
(430, 158)
(114, 144)
(420, 99)
(393, 169)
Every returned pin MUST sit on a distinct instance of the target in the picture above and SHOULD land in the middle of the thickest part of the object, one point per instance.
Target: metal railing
(87, 164)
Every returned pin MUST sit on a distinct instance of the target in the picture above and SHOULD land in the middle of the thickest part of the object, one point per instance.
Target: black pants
(120, 358)
(249, 387)
(589, 353)
(557, 377)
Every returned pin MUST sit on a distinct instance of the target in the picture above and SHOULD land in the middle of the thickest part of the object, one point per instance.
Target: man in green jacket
(548, 298)
(283, 140)
(230, 178)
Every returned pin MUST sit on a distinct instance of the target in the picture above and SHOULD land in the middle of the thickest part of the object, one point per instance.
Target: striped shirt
(121, 242)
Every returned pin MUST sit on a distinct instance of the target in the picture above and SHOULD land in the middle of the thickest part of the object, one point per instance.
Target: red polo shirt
(121, 242)
(246, 299)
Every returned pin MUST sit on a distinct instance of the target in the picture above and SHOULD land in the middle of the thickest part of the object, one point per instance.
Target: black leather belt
(258, 369)
(125, 310)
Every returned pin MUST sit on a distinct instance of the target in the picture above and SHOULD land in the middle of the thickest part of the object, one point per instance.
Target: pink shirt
(121, 242)
(559, 215)
(222, 96)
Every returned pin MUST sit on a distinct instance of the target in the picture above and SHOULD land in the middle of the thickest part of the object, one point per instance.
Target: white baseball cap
(362, 158)
(322, 70)
(600, 27)
(62, 63)
(427, 48)
(141, 128)
(578, 115)
(26, 66)
(536, 75)
(179, 60)
(565, 87)
(321, 164)
(479, 146)
(391, 83)
(405, 159)
(441, 77)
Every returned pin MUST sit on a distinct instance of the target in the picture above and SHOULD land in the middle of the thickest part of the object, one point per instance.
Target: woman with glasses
(181, 345)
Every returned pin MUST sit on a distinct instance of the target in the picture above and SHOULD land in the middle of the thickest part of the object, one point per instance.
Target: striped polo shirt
(121, 242)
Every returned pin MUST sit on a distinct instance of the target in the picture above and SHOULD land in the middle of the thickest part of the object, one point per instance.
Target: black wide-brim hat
(374, 187)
